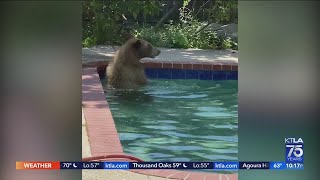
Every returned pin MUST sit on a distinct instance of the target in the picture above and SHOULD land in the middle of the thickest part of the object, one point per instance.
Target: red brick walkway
(102, 133)
(103, 136)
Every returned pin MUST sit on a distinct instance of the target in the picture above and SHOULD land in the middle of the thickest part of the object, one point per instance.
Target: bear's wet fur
(126, 71)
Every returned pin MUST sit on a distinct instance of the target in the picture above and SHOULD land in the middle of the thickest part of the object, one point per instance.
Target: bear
(126, 71)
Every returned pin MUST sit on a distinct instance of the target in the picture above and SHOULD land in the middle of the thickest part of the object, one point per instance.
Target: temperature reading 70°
(66, 165)
(69, 165)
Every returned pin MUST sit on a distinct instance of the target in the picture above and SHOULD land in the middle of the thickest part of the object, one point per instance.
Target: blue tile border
(205, 75)
(151, 73)
(178, 74)
(164, 73)
(232, 75)
(160, 73)
(192, 74)
(220, 75)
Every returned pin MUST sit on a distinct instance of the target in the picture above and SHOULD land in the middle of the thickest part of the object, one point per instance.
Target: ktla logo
(294, 149)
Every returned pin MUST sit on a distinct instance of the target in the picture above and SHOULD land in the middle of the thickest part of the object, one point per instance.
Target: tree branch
(166, 15)
(203, 27)
(194, 4)
(201, 8)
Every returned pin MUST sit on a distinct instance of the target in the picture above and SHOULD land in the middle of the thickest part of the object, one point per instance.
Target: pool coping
(218, 65)
(102, 133)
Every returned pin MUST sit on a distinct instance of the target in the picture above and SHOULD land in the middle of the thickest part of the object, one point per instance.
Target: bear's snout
(155, 52)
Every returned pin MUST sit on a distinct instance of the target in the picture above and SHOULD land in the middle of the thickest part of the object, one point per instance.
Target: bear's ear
(137, 44)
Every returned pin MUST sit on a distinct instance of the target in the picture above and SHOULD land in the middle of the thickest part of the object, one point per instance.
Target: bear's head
(145, 49)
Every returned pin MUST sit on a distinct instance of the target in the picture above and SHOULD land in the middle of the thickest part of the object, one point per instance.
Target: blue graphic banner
(183, 165)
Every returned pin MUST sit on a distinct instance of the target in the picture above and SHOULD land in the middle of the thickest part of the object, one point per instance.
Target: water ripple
(178, 120)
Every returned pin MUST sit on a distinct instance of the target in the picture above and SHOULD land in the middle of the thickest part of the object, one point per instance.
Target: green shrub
(183, 36)
(101, 24)
(179, 40)
(234, 45)
(88, 42)
(100, 19)
(227, 43)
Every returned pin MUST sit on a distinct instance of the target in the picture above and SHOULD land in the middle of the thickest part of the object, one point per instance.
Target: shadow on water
(136, 96)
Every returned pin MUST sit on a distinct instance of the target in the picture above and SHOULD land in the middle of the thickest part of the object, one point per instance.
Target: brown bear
(126, 71)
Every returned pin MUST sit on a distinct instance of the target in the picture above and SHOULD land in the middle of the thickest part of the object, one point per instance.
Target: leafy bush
(88, 42)
(101, 24)
(226, 44)
(177, 36)
(187, 34)
(102, 19)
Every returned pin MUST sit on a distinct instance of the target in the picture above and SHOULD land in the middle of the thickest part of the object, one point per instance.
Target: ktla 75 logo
(294, 149)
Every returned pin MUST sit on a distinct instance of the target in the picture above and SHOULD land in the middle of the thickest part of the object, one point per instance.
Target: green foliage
(102, 23)
(102, 19)
(178, 36)
(226, 43)
(224, 11)
(187, 34)
(185, 3)
(88, 42)
(179, 40)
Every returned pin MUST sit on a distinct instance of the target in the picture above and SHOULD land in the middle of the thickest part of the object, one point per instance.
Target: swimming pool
(178, 120)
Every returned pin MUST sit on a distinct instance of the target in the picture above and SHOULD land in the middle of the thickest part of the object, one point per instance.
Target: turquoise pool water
(178, 120)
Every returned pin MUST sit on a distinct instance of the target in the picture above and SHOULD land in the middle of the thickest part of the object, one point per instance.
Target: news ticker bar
(158, 165)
